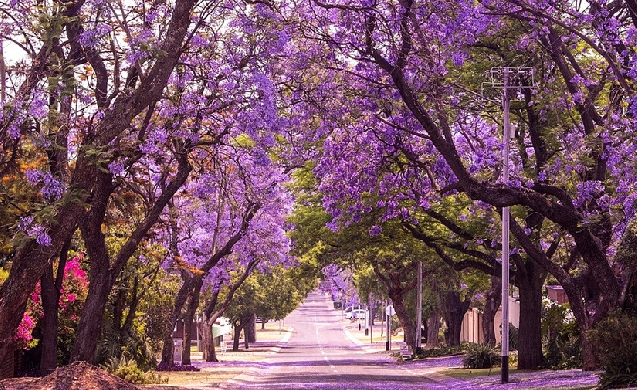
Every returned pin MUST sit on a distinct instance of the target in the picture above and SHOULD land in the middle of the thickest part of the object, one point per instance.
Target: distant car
(357, 314)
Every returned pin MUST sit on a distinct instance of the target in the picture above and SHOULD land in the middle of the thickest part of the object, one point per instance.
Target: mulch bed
(75, 376)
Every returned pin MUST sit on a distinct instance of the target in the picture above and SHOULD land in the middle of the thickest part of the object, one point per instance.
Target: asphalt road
(320, 354)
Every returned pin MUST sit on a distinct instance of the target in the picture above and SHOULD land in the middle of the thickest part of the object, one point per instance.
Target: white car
(356, 314)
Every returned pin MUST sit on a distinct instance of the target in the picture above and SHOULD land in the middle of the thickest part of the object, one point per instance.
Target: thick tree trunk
(530, 279)
(209, 352)
(590, 361)
(250, 328)
(50, 290)
(409, 327)
(237, 336)
(247, 321)
(187, 338)
(453, 312)
(50, 300)
(90, 325)
(433, 329)
(189, 317)
(167, 356)
(493, 300)
(127, 328)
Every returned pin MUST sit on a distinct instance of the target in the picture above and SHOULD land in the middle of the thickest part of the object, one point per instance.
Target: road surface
(320, 354)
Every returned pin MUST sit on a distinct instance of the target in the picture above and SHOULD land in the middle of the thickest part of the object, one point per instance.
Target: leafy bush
(513, 337)
(423, 353)
(128, 370)
(614, 342)
(480, 356)
(561, 341)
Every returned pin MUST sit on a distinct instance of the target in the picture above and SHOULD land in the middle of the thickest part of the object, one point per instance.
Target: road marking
(287, 336)
(333, 367)
(352, 337)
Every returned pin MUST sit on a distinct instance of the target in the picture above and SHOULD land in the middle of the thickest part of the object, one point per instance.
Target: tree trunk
(433, 329)
(237, 335)
(209, 352)
(250, 328)
(187, 338)
(100, 274)
(167, 356)
(50, 291)
(493, 300)
(397, 298)
(7, 366)
(590, 361)
(50, 300)
(247, 321)
(453, 313)
(189, 317)
(90, 326)
(530, 279)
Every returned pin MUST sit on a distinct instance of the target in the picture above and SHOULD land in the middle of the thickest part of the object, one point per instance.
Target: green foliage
(513, 337)
(614, 342)
(452, 350)
(137, 311)
(4, 274)
(480, 356)
(560, 337)
(128, 370)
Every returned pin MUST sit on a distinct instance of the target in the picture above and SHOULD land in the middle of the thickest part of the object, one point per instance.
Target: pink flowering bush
(72, 295)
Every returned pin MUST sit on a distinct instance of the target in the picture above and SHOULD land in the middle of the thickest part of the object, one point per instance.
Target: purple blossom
(90, 38)
(51, 188)
(375, 230)
(38, 107)
(116, 168)
(34, 230)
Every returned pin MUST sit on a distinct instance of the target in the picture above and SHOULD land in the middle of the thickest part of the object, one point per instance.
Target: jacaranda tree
(412, 73)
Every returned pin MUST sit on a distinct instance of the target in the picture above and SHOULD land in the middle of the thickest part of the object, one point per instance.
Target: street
(320, 354)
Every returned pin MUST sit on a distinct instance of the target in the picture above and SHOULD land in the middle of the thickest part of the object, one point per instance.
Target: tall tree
(570, 169)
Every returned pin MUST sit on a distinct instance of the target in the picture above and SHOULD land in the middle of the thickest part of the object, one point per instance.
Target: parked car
(360, 314)
(356, 314)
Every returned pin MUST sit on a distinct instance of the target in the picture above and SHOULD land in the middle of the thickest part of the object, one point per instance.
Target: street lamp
(509, 79)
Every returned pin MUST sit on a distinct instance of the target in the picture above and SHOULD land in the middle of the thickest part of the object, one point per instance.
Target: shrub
(614, 342)
(561, 342)
(480, 356)
(513, 337)
(128, 370)
(422, 353)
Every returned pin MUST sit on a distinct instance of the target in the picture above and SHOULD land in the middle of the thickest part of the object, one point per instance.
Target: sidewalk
(376, 338)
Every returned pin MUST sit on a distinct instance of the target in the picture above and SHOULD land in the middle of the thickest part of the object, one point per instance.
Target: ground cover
(524, 379)
(231, 363)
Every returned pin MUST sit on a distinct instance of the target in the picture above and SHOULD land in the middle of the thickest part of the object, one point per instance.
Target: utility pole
(418, 306)
(513, 79)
